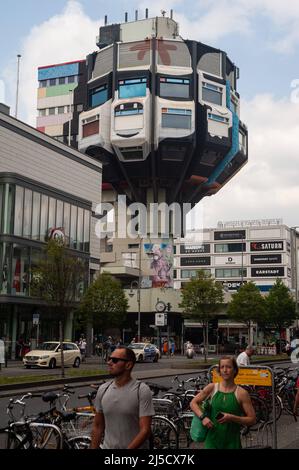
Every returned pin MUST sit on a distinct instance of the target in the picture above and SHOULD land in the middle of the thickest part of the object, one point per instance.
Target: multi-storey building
(60, 100)
(46, 188)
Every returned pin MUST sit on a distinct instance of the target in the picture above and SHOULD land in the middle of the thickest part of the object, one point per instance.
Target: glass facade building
(31, 214)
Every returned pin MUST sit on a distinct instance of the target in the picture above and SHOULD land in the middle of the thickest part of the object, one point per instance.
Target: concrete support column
(68, 327)
(14, 331)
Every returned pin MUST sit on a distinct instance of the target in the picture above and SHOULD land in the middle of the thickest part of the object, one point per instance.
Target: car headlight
(44, 357)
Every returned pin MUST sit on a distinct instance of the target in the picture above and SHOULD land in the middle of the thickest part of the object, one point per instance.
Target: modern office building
(45, 188)
(60, 99)
(237, 252)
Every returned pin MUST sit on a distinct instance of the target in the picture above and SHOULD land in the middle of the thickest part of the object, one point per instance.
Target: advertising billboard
(266, 259)
(231, 235)
(195, 261)
(267, 272)
(160, 263)
(267, 246)
(195, 249)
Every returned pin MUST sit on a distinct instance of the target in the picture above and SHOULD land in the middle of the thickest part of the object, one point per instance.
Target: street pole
(18, 85)
(71, 116)
(138, 291)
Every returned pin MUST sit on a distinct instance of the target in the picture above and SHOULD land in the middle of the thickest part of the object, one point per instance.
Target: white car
(49, 355)
(145, 352)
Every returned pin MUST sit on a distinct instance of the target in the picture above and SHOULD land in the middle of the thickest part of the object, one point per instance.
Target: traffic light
(213, 324)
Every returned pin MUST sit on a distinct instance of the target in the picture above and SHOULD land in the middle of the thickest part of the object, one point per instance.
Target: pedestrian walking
(124, 407)
(230, 408)
(243, 358)
(172, 348)
(82, 347)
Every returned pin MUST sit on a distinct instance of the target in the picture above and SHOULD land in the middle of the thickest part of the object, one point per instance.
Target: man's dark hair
(130, 355)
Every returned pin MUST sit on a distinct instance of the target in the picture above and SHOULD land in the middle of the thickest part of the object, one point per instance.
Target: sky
(260, 36)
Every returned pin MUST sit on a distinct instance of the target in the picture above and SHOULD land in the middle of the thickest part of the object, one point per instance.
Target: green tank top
(226, 435)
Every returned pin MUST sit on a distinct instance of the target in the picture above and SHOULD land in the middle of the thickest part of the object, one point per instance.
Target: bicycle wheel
(177, 400)
(261, 412)
(183, 424)
(164, 433)
(82, 442)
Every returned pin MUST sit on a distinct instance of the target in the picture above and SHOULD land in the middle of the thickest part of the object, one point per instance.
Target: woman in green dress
(230, 408)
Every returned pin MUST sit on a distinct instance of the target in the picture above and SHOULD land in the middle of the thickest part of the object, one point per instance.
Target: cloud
(267, 186)
(67, 36)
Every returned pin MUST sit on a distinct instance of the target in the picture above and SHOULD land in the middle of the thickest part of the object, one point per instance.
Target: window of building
(189, 273)
(73, 234)
(86, 229)
(174, 87)
(60, 109)
(59, 214)
(52, 111)
(132, 153)
(7, 208)
(66, 222)
(98, 96)
(233, 272)
(1, 204)
(176, 118)
(36, 215)
(18, 215)
(27, 213)
(20, 270)
(128, 109)
(62, 81)
(42, 112)
(132, 246)
(131, 88)
(230, 247)
(52, 213)
(43, 83)
(44, 217)
(215, 117)
(80, 229)
(212, 93)
(90, 126)
(52, 81)
(5, 268)
(71, 79)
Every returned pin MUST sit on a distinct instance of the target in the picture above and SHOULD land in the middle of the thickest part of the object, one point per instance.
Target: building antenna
(18, 85)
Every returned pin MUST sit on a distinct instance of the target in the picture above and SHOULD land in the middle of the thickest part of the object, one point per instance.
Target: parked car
(49, 355)
(145, 352)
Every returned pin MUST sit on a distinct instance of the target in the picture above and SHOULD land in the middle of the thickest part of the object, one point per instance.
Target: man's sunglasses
(115, 360)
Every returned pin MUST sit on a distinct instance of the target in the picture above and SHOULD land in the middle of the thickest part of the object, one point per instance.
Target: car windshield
(49, 346)
(137, 346)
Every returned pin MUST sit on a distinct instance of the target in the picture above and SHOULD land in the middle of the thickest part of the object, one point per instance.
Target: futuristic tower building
(161, 113)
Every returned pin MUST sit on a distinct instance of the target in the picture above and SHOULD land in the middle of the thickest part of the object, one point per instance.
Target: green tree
(104, 303)
(58, 279)
(247, 306)
(201, 298)
(280, 307)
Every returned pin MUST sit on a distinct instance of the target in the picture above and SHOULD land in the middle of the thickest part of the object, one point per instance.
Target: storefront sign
(231, 235)
(265, 259)
(194, 249)
(233, 285)
(196, 261)
(161, 319)
(249, 376)
(267, 272)
(266, 246)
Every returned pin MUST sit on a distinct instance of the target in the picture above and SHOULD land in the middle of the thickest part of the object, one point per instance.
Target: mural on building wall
(161, 263)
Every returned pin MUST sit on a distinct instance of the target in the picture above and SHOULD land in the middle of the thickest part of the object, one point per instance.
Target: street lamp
(137, 285)
(294, 244)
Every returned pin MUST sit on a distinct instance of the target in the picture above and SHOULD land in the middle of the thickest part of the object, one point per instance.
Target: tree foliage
(104, 304)
(58, 279)
(280, 306)
(201, 299)
(247, 306)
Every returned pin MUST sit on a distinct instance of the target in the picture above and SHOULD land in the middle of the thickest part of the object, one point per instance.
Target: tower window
(132, 88)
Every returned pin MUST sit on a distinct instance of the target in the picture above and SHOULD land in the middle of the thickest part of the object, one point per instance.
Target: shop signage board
(196, 261)
(268, 245)
(267, 272)
(266, 259)
(249, 376)
(230, 235)
(194, 249)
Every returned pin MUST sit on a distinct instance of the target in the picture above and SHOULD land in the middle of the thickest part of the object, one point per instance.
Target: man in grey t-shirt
(124, 407)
